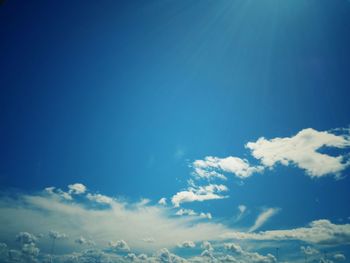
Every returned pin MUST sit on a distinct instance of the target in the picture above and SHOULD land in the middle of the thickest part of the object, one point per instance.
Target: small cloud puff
(26, 238)
(57, 235)
(98, 198)
(162, 201)
(187, 244)
(76, 188)
(119, 246)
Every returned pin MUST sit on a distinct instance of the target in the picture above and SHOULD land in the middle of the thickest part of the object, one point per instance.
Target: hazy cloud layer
(118, 221)
(321, 232)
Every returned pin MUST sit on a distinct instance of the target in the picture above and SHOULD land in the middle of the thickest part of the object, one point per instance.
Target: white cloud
(98, 198)
(302, 151)
(339, 257)
(187, 244)
(120, 220)
(205, 215)
(83, 241)
(317, 232)
(213, 167)
(263, 218)
(309, 250)
(241, 212)
(248, 256)
(119, 246)
(188, 212)
(206, 245)
(199, 193)
(235, 248)
(26, 238)
(57, 235)
(242, 208)
(162, 201)
(77, 188)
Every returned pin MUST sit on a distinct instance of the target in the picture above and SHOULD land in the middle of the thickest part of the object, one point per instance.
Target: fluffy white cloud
(119, 246)
(188, 212)
(164, 256)
(162, 201)
(235, 248)
(248, 256)
(263, 218)
(302, 150)
(317, 232)
(199, 193)
(206, 245)
(83, 241)
(213, 167)
(57, 235)
(205, 215)
(98, 198)
(77, 188)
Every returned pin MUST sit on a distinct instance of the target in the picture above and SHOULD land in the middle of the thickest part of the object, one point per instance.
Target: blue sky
(129, 98)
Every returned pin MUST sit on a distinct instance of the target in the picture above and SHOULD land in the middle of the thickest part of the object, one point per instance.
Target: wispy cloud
(263, 218)
(321, 232)
(241, 212)
(117, 221)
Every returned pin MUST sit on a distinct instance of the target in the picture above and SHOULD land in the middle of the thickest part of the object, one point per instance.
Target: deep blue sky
(123, 95)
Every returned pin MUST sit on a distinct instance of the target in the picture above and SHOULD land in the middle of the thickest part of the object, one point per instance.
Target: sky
(175, 131)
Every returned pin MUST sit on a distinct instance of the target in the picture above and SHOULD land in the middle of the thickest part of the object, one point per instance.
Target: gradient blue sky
(123, 96)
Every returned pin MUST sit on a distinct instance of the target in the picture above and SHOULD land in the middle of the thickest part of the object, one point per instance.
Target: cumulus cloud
(57, 235)
(83, 241)
(162, 201)
(263, 218)
(248, 256)
(321, 232)
(77, 188)
(26, 238)
(213, 167)
(199, 193)
(98, 198)
(165, 256)
(302, 150)
(119, 246)
(206, 245)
